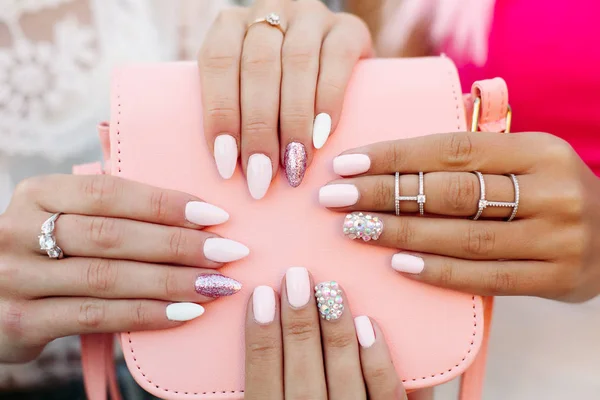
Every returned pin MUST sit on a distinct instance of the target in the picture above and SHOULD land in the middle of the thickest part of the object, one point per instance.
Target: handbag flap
(157, 138)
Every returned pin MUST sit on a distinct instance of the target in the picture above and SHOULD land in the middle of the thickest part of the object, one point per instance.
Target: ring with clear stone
(419, 198)
(272, 19)
(47, 240)
(484, 203)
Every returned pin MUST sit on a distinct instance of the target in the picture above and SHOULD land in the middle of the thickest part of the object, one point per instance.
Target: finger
(300, 61)
(219, 63)
(118, 279)
(260, 87)
(486, 278)
(301, 338)
(84, 236)
(264, 348)
(378, 369)
(347, 42)
(447, 193)
(108, 196)
(340, 347)
(47, 319)
(491, 153)
(478, 240)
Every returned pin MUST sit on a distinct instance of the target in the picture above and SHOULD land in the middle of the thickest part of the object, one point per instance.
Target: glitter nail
(216, 285)
(295, 163)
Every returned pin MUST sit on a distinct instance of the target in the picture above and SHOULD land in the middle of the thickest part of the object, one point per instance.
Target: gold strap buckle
(477, 116)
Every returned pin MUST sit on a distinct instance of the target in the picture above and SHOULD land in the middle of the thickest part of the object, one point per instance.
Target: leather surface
(156, 138)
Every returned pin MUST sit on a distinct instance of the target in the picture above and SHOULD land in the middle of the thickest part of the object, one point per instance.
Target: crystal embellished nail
(216, 285)
(295, 163)
(329, 300)
(362, 226)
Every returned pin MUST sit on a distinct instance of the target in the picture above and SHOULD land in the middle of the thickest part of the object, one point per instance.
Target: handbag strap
(487, 106)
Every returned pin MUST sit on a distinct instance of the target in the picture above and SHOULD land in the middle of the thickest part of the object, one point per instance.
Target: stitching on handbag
(131, 349)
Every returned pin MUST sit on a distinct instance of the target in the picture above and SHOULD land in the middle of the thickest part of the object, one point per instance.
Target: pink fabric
(549, 56)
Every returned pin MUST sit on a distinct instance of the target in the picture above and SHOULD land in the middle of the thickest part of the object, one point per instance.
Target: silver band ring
(420, 198)
(272, 19)
(484, 203)
(47, 240)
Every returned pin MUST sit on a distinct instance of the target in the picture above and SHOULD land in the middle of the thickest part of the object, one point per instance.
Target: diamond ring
(47, 240)
(484, 203)
(419, 198)
(272, 19)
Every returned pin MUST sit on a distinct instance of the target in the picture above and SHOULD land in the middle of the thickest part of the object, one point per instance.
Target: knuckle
(331, 85)
(92, 313)
(446, 273)
(500, 282)
(378, 374)
(101, 190)
(302, 329)
(459, 193)
(404, 234)
(383, 196)
(257, 128)
(222, 110)
(559, 150)
(8, 278)
(7, 232)
(572, 200)
(259, 58)
(101, 275)
(29, 187)
(140, 316)
(297, 115)
(456, 150)
(299, 57)
(393, 155)
(12, 317)
(159, 205)
(214, 56)
(103, 232)
(264, 349)
(344, 52)
(478, 241)
(177, 243)
(339, 340)
(170, 284)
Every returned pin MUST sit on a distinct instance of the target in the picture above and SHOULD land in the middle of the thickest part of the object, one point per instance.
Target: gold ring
(272, 19)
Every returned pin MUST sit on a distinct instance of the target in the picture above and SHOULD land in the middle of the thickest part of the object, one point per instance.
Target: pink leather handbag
(155, 136)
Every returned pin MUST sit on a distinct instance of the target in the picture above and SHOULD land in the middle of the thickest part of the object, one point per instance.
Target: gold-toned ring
(272, 19)
(477, 115)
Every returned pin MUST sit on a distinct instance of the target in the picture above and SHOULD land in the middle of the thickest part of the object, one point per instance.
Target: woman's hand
(122, 241)
(291, 353)
(262, 88)
(549, 250)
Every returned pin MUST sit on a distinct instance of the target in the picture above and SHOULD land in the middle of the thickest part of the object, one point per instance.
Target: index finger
(109, 196)
(491, 153)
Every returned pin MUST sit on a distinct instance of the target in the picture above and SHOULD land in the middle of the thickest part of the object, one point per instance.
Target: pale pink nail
(297, 284)
(406, 263)
(351, 164)
(259, 174)
(201, 213)
(224, 250)
(338, 195)
(226, 154)
(364, 331)
(263, 304)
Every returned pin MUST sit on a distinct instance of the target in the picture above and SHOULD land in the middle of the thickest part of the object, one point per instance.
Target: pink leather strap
(494, 104)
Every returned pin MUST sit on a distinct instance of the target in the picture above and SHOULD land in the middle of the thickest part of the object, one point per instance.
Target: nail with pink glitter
(216, 285)
(295, 163)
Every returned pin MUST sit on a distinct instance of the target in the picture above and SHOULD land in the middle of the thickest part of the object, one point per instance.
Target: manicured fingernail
(226, 154)
(330, 301)
(297, 284)
(201, 213)
(263, 304)
(321, 130)
(259, 174)
(351, 164)
(184, 311)
(362, 226)
(224, 250)
(216, 285)
(364, 331)
(295, 163)
(406, 263)
(338, 195)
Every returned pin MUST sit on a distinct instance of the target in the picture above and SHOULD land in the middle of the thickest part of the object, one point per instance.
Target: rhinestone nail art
(329, 300)
(362, 226)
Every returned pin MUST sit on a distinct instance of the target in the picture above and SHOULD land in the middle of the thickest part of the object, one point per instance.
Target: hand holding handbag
(155, 137)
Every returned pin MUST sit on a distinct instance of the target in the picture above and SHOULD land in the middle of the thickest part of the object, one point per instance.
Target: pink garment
(549, 54)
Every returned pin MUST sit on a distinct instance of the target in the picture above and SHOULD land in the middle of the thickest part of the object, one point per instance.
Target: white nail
(406, 263)
(201, 213)
(184, 311)
(263, 304)
(351, 164)
(338, 195)
(259, 174)
(364, 331)
(321, 130)
(224, 250)
(226, 154)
